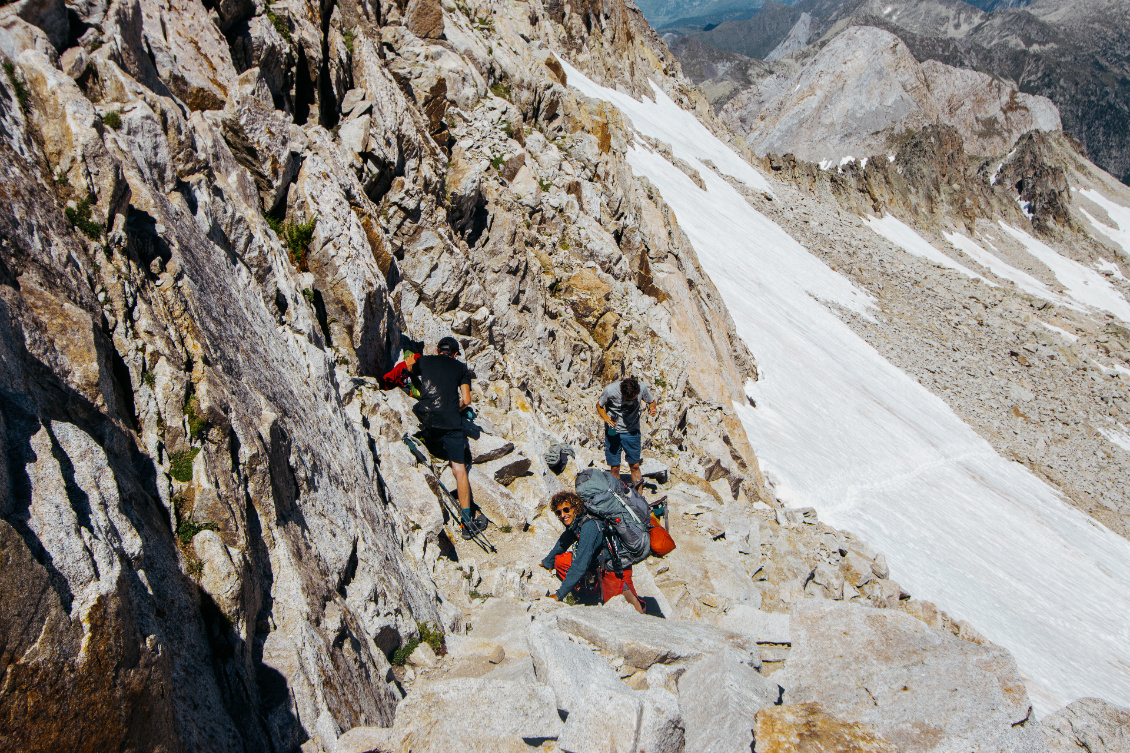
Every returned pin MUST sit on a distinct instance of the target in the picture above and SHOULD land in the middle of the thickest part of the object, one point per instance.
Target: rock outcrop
(864, 90)
(1075, 54)
(217, 225)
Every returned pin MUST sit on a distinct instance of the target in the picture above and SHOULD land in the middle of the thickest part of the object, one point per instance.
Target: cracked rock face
(216, 227)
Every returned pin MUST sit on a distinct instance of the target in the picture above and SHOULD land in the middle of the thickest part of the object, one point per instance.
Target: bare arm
(604, 416)
(464, 396)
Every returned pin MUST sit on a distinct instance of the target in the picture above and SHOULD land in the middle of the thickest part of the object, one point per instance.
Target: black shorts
(448, 445)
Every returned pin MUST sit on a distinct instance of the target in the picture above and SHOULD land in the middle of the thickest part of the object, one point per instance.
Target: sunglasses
(563, 509)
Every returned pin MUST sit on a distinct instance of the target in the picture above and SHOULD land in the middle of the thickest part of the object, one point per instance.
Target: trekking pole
(454, 511)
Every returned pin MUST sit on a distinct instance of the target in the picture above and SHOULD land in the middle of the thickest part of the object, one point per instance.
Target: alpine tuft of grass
(112, 119)
(79, 216)
(188, 529)
(19, 89)
(280, 23)
(297, 237)
(180, 464)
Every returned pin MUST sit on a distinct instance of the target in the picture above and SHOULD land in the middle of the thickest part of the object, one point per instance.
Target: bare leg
(636, 473)
(633, 600)
(614, 470)
(462, 484)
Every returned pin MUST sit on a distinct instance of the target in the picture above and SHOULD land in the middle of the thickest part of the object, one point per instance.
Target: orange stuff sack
(561, 564)
(661, 542)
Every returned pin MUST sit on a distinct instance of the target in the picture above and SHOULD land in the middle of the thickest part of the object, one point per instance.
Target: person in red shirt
(443, 385)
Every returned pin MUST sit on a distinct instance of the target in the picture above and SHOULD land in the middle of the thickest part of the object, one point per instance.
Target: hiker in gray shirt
(619, 408)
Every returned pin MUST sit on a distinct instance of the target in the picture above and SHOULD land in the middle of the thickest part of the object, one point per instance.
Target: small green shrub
(350, 36)
(80, 218)
(506, 529)
(180, 464)
(280, 23)
(112, 119)
(485, 24)
(188, 529)
(297, 237)
(564, 244)
(197, 424)
(545, 184)
(661, 382)
(500, 89)
(148, 379)
(400, 655)
(195, 568)
(497, 161)
(19, 89)
(474, 594)
(432, 636)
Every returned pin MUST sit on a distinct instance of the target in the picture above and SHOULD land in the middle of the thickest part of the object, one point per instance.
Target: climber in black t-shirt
(445, 393)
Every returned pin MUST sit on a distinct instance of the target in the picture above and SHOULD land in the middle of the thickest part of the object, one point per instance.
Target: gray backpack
(622, 512)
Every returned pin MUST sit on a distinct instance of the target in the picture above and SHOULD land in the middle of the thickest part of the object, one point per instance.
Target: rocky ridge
(1072, 53)
(218, 223)
(864, 90)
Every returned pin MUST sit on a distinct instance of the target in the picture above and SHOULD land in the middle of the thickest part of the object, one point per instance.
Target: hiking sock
(466, 515)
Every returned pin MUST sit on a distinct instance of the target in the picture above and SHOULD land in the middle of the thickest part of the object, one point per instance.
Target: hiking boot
(474, 528)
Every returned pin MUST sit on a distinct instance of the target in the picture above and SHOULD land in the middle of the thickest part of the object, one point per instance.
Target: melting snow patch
(1118, 214)
(1120, 438)
(903, 236)
(1060, 331)
(840, 428)
(1083, 284)
(994, 264)
(1108, 266)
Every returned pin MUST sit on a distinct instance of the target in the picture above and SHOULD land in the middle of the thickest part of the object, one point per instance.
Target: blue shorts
(615, 442)
(448, 445)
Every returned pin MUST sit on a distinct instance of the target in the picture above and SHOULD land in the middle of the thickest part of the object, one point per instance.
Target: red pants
(610, 585)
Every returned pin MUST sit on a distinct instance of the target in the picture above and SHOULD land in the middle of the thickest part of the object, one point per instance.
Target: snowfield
(840, 428)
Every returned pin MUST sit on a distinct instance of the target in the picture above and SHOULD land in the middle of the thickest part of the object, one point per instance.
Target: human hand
(551, 595)
(411, 359)
(651, 409)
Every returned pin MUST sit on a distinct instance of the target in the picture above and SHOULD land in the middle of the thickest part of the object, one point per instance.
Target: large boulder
(720, 696)
(920, 688)
(602, 713)
(50, 16)
(473, 714)
(261, 138)
(1088, 725)
(763, 627)
(644, 640)
(807, 727)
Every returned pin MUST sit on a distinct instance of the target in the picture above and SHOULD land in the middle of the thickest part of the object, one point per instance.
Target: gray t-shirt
(626, 415)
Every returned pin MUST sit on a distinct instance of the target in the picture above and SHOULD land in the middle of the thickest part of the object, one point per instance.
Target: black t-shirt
(440, 378)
